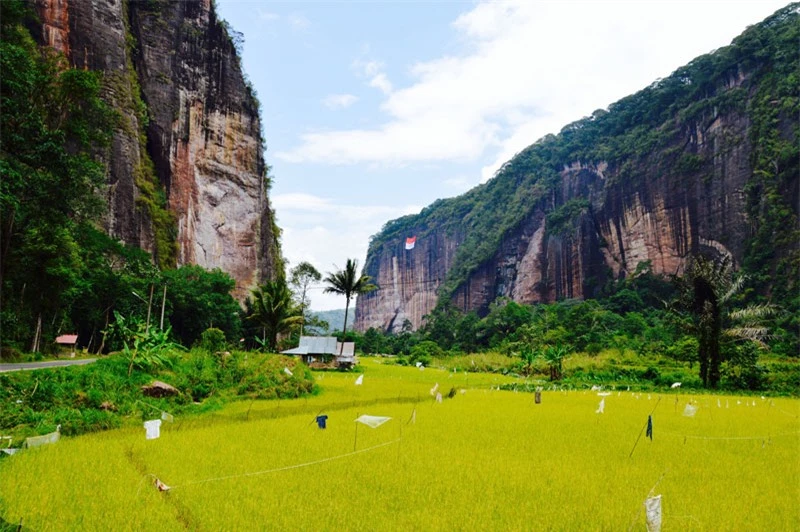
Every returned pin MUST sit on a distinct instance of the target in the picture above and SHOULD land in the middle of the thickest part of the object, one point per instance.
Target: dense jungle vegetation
(645, 331)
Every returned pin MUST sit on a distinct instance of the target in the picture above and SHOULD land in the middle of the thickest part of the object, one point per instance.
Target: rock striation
(189, 138)
(665, 174)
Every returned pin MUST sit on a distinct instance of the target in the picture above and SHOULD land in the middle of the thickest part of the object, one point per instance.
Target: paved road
(21, 366)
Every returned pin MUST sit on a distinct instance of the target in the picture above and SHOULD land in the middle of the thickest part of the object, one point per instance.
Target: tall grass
(485, 459)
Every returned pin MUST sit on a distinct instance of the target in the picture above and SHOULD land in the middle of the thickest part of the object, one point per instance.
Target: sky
(373, 110)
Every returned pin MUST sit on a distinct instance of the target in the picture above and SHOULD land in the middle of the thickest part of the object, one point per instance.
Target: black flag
(649, 432)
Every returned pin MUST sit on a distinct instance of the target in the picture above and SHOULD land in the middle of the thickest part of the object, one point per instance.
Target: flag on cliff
(410, 242)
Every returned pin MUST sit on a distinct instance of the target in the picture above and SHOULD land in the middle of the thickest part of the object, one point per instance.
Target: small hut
(324, 350)
(68, 341)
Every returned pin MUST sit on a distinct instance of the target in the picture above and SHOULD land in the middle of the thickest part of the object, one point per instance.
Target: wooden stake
(355, 440)
(644, 427)
(163, 301)
(149, 306)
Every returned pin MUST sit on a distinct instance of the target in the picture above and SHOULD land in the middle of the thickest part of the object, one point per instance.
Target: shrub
(212, 340)
(424, 352)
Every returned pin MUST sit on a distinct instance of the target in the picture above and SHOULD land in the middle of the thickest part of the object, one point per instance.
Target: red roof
(67, 339)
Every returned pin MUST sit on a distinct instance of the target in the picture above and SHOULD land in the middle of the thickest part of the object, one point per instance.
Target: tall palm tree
(274, 311)
(711, 288)
(348, 283)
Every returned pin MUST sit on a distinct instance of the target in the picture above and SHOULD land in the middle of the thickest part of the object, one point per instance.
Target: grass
(485, 459)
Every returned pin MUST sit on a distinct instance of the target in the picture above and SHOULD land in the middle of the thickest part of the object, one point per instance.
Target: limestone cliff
(702, 162)
(186, 174)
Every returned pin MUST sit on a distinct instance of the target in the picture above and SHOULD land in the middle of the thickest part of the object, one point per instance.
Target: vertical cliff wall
(186, 174)
(92, 35)
(702, 162)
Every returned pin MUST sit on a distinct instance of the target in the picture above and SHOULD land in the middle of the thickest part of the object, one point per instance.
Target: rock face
(584, 220)
(200, 127)
(92, 36)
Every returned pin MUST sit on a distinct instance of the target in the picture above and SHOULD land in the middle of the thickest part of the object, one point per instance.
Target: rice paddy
(483, 459)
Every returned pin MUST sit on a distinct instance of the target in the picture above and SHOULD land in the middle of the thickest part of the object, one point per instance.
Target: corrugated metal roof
(301, 350)
(349, 349)
(315, 345)
(67, 339)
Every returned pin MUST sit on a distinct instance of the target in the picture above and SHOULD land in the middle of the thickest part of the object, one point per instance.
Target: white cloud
(367, 68)
(339, 101)
(526, 69)
(374, 70)
(310, 206)
(380, 81)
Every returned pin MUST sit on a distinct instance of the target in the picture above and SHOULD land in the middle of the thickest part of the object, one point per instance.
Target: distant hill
(335, 319)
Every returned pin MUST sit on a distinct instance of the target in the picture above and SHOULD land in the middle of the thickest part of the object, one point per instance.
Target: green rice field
(484, 459)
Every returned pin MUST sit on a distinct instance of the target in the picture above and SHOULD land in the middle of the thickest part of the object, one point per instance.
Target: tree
(710, 287)
(53, 122)
(555, 355)
(302, 276)
(348, 283)
(198, 299)
(274, 311)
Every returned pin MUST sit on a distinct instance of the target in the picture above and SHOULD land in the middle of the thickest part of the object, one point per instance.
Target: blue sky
(372, 110)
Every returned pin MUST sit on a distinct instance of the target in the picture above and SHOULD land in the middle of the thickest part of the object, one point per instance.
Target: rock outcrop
(665, 174)
(189, 126)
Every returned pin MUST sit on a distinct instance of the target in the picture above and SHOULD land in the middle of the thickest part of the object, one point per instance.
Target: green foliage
(53, 122)
(274, 311)
(153, 200)
(555, 355)
(373, 342)
(562, 220)
(102, 395)
(198, 299)
(424, 352)
(710, 289)
(212, 340)
(638, 333)
(145, 347)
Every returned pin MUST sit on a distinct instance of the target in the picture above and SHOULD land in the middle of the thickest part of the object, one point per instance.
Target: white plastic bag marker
(373, 421)
(152, 428)
(652, 508)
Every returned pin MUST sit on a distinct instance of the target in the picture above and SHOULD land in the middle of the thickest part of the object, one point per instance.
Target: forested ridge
(756, 76)
(717, 144)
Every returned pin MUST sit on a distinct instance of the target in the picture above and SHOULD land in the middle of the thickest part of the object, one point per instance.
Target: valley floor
(482, 459)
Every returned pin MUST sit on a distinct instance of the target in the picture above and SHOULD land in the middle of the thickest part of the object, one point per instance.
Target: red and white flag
(410, 242)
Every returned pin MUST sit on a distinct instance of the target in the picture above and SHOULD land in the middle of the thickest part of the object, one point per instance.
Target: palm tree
(555, 355)
(347, 283)
(274, 311)
(712, 286)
